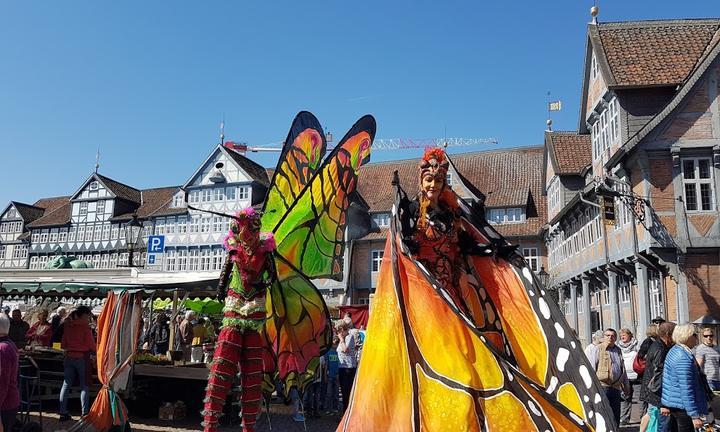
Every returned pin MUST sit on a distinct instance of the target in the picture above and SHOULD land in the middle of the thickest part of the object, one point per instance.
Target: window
(382, 219)
(34, 262)
(364, 300)
(377, 256)
(170, 260)
(114, 232)
(698, 184)
(217, 224)
(657, 307)
(105, 261)
(35, 236)
(606, 129)
(554, 193)
(593, 67)
(182, 225)
(93, 185)
(605, 296)
(624, 290)
(62, 235)
(219, 194)
(178, 200)
(194, 197)
(230, 193)
(100, 207)
(194, 256)
(205, 224)
(106, 231)
(44, 236)
(509, 215)
(205, 260)
(160, 226)
(2, 251)
(114, 260)
(98, 232)
(81, 233)
(170, 225)
(578, 305)
(53, 236)
(182, 259)
(83, 208)
(531, 256)
(243, 192)
(217, 260)
(123, 262)
(206, 195)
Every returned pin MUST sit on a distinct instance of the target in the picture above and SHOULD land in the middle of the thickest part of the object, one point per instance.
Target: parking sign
(156, 244)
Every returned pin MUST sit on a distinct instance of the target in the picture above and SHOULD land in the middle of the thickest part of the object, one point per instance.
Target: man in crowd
(186, 334)
(56, 322)
(708, 357)
(18, 329)
(607, 359)
(158, 337)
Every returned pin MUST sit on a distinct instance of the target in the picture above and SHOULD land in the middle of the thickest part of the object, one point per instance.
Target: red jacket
(77, 338)
(9, 395)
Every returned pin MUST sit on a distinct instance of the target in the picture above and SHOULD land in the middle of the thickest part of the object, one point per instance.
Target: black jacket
(651, 390)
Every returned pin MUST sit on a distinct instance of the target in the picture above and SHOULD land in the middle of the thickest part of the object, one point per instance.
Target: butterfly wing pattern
(511, 364)
(309, 234)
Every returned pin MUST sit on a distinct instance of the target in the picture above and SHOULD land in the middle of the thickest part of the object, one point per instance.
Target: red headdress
(434, 162)
(249, 219)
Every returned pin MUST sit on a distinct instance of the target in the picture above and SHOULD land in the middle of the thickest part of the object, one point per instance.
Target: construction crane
(378, 144)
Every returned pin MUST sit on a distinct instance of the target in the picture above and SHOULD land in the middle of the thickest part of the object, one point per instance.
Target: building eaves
(28, 212)
(121, 190)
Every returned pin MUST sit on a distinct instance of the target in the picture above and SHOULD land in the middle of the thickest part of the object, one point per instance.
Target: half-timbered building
(648, 143)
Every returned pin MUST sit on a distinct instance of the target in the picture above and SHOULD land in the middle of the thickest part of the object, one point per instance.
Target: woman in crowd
(651, 389)
(683, 395)
(41, 332)
(348, 361)
(78, 343)
(708, 357)
(629, 347)
(9, 395)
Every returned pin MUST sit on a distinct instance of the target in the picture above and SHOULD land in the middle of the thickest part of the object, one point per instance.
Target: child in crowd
(332, 392)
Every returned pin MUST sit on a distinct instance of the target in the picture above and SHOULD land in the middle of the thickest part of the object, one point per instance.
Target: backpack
(604, 367)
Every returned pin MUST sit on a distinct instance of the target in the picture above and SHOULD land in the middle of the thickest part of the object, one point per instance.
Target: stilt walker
(247, 274)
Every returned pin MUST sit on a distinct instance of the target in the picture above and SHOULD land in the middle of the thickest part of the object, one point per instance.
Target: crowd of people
(674, 372)
(74, 332)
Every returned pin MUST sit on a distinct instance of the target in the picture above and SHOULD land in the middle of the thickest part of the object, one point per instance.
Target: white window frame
(698, 182)
(100, 207)
(114, 231)
(219, 194)
(83, 208)
(382, 220)
(44, 236)
(106, 231)
(53, 235)
(243, 192)
(230, 193)
(657, 305)
(376, 257)
(178, 200)
(532, 258)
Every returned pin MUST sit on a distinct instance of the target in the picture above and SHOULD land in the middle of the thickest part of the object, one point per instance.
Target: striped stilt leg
(222, 372)
(251, 378)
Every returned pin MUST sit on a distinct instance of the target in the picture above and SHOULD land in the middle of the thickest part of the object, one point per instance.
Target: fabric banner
(359, 314)
(118, 333)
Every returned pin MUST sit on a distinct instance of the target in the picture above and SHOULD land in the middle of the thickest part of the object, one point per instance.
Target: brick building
(510, 179)
(649, 129)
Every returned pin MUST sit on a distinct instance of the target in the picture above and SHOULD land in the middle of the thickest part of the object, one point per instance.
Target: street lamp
(544, 277)
(133, 231)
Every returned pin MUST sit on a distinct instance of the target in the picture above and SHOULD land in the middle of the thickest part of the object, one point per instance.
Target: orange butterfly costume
(461, 335)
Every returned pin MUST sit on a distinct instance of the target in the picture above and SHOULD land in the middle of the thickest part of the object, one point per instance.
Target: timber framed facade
(649, 131)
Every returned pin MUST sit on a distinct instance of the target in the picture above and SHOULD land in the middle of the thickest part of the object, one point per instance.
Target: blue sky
(149, 81)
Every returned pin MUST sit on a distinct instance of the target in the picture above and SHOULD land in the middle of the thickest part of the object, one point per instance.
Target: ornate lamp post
(133, 231)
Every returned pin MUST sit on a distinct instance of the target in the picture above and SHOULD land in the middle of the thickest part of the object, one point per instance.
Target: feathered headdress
(247, 218)
(434, 162)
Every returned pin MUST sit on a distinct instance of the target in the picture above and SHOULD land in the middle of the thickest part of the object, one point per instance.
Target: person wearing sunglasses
(708, 357)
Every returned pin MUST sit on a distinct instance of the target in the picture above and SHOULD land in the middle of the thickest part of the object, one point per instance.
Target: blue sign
(156, 244)
(151, 259)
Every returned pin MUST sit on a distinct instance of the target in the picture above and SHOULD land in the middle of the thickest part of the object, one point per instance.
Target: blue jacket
(681, 387)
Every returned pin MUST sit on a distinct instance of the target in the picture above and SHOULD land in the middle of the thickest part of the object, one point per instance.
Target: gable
(93, 188)
(220, 165)
(10, 213)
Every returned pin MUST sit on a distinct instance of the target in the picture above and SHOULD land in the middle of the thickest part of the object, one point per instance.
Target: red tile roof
(155, 202)
(28, 212)
(648, 53)
(57, 212)
(121, 190)
(508, 177)
(572, 153)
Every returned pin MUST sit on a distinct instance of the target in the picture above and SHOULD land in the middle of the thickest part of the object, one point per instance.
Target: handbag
(639, 365)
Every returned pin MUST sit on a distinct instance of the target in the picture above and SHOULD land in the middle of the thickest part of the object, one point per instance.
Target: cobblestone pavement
(280, 418)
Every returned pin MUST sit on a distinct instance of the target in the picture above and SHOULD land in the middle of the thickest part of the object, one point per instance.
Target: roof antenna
(222, 130)
(594, 12)
(97, 159)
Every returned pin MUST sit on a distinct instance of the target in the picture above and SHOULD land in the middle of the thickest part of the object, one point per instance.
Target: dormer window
(382, 219)
(177, 200)
(506, 215)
